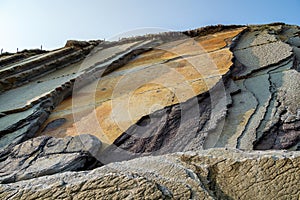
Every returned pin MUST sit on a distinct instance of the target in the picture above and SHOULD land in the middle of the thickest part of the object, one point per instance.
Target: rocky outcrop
(9, 58)
(164, 131)
(82, 44)
(258, 111)
(132, 118)
(209, 174)
(180, 70)
(20, 73)
(47, 155)
(23, 116)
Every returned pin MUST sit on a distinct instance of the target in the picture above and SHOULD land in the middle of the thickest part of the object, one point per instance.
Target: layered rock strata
(163, 97)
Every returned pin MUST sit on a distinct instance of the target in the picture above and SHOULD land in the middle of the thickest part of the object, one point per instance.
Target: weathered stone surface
(282, 130)
(47, 155)
(179, 127)
(150, 96)
(252, 117)
(81, 44)
(257, 57)
(37, 99)
(210, 174)
(7, 60)
(170, 74)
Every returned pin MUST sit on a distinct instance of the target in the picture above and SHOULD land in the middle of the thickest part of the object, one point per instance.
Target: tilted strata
(161, 76)
(260, 112)
(94, 103)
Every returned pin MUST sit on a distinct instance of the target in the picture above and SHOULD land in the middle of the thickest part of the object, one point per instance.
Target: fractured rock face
(255, 114)
(169, 74)
(210, 174)
(259, 49)
(47, 155)
(157, 100)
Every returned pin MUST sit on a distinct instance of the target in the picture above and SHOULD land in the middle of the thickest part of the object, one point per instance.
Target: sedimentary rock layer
(47, 155)
(68, 116)
(257, 107)
(207, 174)
(169, 74)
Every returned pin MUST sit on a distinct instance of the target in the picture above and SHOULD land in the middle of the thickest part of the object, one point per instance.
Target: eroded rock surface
(96, 103)
(47, 155)
(257, 107)
(171, 73)
(209, 174)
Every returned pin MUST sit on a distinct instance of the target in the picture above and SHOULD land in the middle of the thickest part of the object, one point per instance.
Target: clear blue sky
(31, 23)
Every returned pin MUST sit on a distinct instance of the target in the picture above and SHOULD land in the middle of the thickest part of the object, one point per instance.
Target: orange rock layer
(172, 73)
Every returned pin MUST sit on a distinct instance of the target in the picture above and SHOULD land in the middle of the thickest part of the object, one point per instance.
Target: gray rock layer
(47, 155)
(261, 110)
(207, 174)
(254, 106)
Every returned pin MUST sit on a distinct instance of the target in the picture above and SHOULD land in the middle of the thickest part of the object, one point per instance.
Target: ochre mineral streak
(211, 113)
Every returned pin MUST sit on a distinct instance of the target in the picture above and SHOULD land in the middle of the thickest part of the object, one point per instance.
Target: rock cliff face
(185, 112)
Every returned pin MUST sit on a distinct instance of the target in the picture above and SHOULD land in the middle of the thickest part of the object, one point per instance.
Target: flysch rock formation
(210, 113)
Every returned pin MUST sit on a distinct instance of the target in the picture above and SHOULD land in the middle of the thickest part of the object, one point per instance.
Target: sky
(50, 23)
